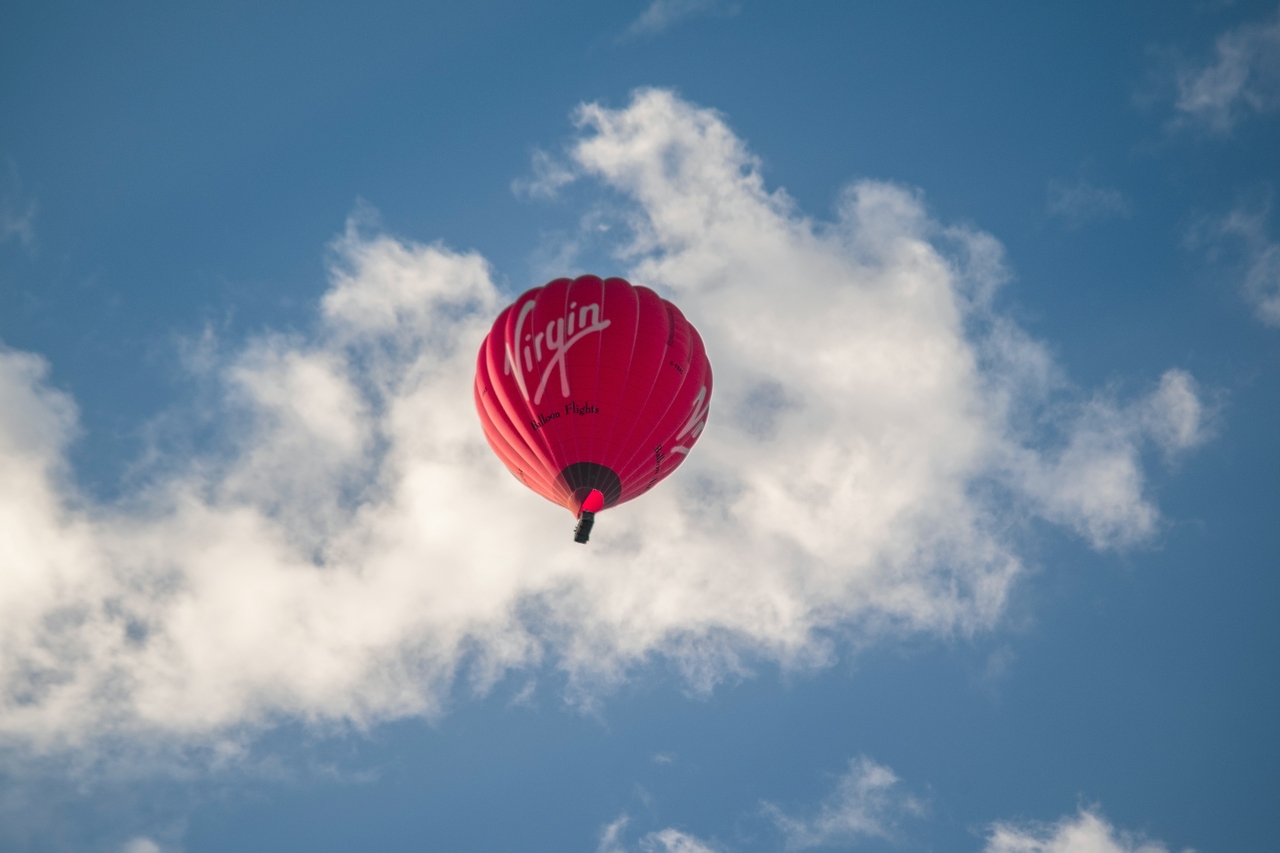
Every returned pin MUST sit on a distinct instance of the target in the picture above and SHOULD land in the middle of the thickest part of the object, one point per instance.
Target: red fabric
(611, 380)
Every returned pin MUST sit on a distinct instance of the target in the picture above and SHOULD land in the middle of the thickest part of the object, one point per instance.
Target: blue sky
(977, 552)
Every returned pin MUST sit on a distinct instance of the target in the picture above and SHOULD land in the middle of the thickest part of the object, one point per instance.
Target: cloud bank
(355, 553)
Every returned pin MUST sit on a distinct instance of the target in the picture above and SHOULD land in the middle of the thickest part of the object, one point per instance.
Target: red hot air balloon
(591, 392)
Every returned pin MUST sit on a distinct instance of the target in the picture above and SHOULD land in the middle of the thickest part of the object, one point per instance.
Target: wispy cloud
(549, 175)
(868, 802)
(355, 553)
(661, 15)
(1081, 202)
(17, 213)
(18, 223)
(674, 841)
(1246, 231)
(1090, 484)
(1243, 78)
(611, 836)
(669, 840)
(1085, 832)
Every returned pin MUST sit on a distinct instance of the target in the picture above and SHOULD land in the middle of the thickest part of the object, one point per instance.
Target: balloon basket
(582, 532)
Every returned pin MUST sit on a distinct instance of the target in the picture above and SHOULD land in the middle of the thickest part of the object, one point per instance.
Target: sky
(977, 551)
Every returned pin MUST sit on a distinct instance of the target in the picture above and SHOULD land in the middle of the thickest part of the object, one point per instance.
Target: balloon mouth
(592, 487)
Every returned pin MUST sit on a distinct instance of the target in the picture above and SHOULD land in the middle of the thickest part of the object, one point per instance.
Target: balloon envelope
(592, 391)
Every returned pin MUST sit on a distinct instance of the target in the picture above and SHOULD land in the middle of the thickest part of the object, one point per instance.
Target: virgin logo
(556, 340)
(697, 420)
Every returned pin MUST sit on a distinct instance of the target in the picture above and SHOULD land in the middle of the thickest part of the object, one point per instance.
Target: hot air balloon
(592, 392)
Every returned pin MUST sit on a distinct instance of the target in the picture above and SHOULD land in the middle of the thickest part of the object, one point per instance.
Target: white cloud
(866, 803)
(1085, 832)
(141, 844)
(357, 550)
(661, 15)
(1081, 202)
(1243, 78)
